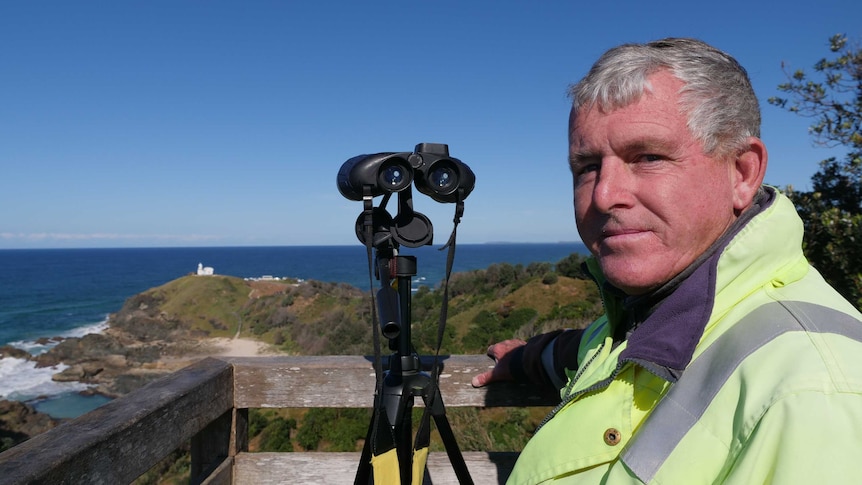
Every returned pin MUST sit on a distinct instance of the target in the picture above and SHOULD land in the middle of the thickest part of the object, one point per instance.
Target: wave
(21, 380)
(34, 347)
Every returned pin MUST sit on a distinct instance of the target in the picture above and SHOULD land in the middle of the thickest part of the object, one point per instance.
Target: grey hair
(717, 96)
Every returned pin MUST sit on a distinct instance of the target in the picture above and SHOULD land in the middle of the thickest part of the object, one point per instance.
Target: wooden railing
(208, 403)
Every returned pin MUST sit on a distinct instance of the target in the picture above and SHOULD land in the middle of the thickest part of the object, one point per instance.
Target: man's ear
(748, 171)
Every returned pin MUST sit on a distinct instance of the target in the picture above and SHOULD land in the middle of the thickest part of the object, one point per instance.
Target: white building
(205, 271)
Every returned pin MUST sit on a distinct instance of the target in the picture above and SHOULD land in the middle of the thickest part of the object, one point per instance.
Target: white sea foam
(34, 348)
(87, 329)
(20, 380)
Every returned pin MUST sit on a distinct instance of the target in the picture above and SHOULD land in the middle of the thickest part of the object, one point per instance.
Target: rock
(20, 422)
(69, 374)
(115, 360)
(91, 370)
(49, 341)
(75, 350)
(85, 372)
(14, 352)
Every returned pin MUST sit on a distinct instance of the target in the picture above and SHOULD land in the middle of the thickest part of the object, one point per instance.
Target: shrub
(550, 278)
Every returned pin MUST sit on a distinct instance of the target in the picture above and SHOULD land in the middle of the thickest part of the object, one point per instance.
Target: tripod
(387, 449)
(391, 424)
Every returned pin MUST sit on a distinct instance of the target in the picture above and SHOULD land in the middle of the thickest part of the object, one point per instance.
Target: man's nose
(614, 185)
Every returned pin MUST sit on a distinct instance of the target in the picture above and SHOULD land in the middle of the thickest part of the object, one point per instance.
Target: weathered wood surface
(335, 468)
(348, 381)
(121, 440)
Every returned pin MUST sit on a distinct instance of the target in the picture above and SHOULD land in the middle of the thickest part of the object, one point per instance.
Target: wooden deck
(208, 404)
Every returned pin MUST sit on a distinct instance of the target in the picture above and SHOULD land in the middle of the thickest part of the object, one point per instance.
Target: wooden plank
(124, 438)
(223, 475)
(279, 468)
(348, 381)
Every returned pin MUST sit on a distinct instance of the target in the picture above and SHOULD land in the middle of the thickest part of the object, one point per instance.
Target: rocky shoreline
(140, 344)
(110, 370)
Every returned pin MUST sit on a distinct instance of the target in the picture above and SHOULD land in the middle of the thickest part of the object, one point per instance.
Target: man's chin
(628, 274)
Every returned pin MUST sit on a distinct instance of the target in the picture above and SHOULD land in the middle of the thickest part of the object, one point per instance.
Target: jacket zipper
(571, 397)
(604, 383)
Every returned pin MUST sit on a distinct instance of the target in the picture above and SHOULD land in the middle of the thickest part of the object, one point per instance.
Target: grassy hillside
(209, 305)
(315, 318)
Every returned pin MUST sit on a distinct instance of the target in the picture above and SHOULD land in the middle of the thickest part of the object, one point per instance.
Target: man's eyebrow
(582, 157)
(649, 144)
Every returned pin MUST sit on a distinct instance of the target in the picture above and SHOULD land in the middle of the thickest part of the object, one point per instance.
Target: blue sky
(171, 123)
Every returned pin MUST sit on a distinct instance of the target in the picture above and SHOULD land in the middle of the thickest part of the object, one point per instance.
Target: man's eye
(650, 158)
(584, 171)
(584, 165)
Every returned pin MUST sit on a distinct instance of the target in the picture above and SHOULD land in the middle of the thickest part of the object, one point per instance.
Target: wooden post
(239, 432)
(210, 447)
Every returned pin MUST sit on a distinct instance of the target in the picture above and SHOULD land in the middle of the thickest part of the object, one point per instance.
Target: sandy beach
(238, 347)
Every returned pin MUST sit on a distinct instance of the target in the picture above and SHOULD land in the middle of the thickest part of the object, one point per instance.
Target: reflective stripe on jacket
(772, 394)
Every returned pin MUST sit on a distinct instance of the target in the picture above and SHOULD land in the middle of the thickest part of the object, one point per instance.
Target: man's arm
(540, 362)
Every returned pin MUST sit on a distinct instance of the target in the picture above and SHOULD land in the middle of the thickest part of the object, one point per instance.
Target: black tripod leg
(404, 438)
(438, 411)
(363, 472)
(379, 438)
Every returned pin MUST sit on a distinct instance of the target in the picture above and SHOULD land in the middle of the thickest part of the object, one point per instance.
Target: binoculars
(429, 166)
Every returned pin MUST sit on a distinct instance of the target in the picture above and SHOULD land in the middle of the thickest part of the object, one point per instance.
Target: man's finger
(479, 380)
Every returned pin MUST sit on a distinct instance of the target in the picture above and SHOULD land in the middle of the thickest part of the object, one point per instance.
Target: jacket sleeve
(543, 360)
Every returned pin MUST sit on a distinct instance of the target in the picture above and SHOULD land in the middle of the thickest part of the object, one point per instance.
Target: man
(722, 357)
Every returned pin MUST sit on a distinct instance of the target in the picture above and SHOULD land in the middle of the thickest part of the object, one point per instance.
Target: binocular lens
(442, 178)
(393, 176)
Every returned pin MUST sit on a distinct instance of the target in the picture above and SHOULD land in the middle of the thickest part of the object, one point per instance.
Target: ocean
(70, 292)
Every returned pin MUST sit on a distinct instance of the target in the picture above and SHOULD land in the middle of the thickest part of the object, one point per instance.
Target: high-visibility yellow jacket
(748, 372)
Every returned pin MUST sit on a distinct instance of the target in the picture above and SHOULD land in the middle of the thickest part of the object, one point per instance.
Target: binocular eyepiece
(429, 166)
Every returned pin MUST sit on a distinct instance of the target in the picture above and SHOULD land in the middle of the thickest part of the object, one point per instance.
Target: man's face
(648, 201)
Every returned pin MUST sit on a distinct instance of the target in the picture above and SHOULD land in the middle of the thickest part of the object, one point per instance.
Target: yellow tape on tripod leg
(420, 457)
(385, 468)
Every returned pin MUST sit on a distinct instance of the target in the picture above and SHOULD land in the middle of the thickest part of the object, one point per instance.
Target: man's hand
(501, 353)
